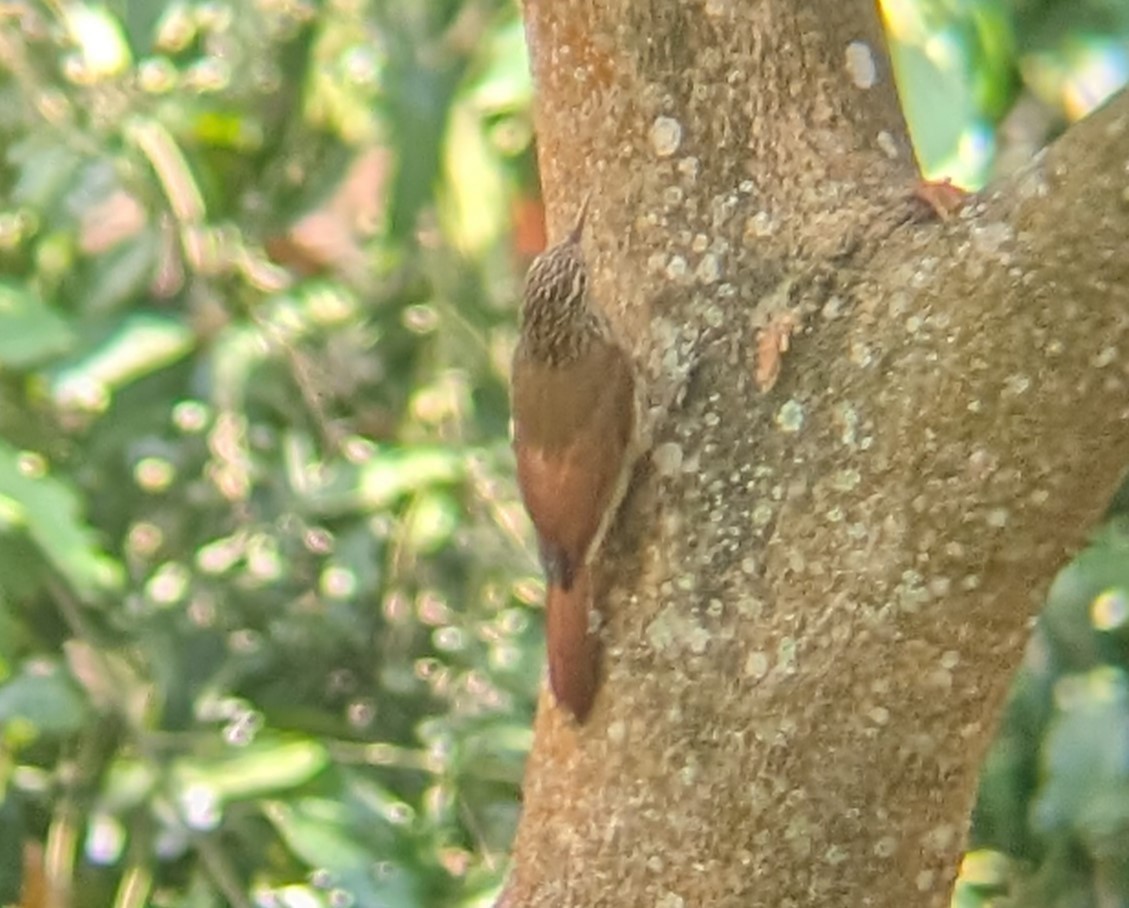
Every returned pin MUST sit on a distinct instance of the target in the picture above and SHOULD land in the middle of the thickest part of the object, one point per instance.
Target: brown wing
(572, 425)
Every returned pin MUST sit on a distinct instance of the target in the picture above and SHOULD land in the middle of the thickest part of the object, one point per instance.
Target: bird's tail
(573, 651)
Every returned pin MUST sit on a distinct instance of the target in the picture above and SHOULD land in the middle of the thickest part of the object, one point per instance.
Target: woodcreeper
(575, 420)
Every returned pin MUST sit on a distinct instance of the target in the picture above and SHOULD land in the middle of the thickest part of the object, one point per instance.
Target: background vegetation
(269, 615)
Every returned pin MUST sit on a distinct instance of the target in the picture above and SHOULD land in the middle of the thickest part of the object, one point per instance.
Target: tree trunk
(815, 595)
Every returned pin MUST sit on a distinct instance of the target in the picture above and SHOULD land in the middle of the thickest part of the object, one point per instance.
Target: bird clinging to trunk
(575, 421)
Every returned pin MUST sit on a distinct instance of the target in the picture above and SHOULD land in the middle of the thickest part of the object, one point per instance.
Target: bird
(575, 419)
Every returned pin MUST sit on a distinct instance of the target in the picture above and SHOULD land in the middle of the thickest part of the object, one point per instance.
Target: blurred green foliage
(986, 83)
(1051, 822)
(269, 626)
(267, 611)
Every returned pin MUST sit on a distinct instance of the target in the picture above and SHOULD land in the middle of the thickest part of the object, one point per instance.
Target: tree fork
(820, 591)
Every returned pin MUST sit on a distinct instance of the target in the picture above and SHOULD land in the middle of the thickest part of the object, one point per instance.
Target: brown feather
(572, 426)
(573, 652)
(574, 421)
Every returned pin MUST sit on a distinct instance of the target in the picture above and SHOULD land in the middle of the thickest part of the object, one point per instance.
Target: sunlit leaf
(99, 38)
(474, 184)
(227, 129)
(396, 472)
(431, 521)
(942, 111)
(128, 782)
(236, 353)
(984, 876)
(142, 344)
(505, 85)
(259, 768)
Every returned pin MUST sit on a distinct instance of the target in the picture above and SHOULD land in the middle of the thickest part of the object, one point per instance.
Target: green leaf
(13, 635)
(431, 521)
(394, 473)
(261, 768)
(1086, 758)
(99, 38)
(469, 210)
(127, 784)
(12, 833)
(984, 876)
(504, 85)
(1075, 598)
(375, 808)
(30, 331)
(48, 510)
(236, 353)
(43, 696)
(318, 831)
(143, 344)
(119, 275)
(46, 167)
(381, 482)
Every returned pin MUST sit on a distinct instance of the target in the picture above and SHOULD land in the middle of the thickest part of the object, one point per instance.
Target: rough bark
(815, 596)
